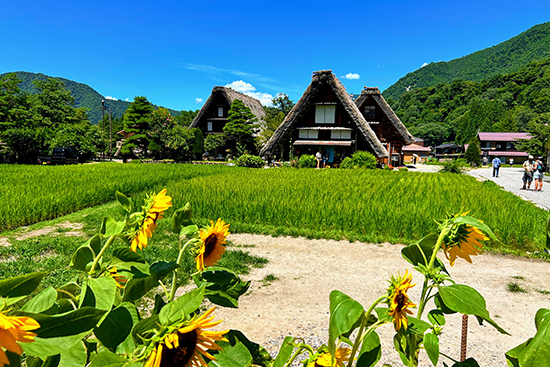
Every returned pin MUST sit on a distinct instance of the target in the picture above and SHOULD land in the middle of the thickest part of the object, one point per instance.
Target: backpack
(540, 167)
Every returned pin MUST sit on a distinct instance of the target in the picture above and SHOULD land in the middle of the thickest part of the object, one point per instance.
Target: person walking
(496, 166)
(528, 173)
(538, 175)
(511, 162)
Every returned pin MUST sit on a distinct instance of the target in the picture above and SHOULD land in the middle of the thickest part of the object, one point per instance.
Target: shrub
(252, 161)
(454, 166)
(403, 169)
(307, 161)
(359, 159)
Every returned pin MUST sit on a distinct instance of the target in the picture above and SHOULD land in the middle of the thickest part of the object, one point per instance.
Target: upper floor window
(209, 126)
(325, 114)
(308, 134)
(340, 134)
(370, 112)
(220, 111)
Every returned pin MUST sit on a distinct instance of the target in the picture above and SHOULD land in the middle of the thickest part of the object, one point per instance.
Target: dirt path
(308, 270)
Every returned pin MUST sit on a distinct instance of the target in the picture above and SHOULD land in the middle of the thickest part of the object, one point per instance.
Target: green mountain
(84, 96)
(504, 58)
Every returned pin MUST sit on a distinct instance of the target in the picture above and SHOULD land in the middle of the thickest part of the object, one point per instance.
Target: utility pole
(103, 115)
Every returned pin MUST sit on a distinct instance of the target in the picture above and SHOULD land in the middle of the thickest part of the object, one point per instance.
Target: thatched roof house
(326, 119)
(213, 115)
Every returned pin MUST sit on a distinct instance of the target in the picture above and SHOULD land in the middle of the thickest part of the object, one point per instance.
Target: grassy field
(30, 194)
(371, 205)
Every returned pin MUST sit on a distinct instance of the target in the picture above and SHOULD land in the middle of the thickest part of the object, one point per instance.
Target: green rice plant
(515, 288)
(35, 193)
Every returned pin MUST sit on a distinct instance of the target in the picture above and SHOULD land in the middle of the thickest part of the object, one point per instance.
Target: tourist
(528, 173)
(325, 158)
(511, 162)
(538, 175)
(496, 166)
(318, 157)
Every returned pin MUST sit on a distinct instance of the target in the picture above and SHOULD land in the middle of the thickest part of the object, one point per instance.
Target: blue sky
(174, 52)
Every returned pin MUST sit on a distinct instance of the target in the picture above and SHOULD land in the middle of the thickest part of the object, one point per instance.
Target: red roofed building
(502, 145)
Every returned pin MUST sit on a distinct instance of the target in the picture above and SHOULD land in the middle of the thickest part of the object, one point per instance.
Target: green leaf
(512, 356)
(548, 233)
(370, 351)
(42, 301)
(115, 328)
(69, 290)
(421, 252)
(128, 346)
(223, 286)
(124, 201)
(110, 227)
(86, 253)
(143, 329)
(109, 359)
(233, 354)
(13, 358)
(21, 285)
(417, 326)
(466, 300)
(10, 300)
(189, 231)
(42, 347)
(74, 357)
(431, 344)
(344, 313)
(70, 323)
(52, 361)
(138, 287)
(478, 224)
(536, 352)
(470, 362)
(383, 315)
(260, 356)
(104, 289)
(284, 352)
(436, 317)
(182, 307)
(127, 255)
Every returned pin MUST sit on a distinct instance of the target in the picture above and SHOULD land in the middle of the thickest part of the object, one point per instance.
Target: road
(510, 179)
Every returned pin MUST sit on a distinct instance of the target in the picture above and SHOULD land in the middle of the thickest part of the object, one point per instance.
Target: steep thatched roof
(375, 94)
(320, 79)
(230, 95)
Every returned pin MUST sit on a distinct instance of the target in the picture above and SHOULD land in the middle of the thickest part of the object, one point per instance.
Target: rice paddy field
(365, 205)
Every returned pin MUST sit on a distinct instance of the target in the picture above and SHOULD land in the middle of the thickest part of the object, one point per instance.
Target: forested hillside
(84, 96)
(504, 58)
(450, 112)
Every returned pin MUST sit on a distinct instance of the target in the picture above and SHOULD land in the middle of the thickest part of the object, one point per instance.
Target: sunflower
(155, 207)
(186, 345)
(15, 329)
(212, 244)
(463, 241)
(325, 359)
(120, 279)
(399, 300)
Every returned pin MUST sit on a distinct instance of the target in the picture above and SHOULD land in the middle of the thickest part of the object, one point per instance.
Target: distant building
(449, 151)
(213, 115)
(502, 145)
(415, 150)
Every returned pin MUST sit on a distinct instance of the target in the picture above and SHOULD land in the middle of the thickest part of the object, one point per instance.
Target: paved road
(510, 180)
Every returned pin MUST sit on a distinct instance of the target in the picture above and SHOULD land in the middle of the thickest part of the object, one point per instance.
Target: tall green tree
(539, 144)
(241, 124)
(136, 121)
(473, 153)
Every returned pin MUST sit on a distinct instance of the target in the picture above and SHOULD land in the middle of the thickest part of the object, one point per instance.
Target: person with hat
(528, 173)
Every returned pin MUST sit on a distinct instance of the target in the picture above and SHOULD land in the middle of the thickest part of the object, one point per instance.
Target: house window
(220, 111)
(370, 112)
(308, 134)
(325, 114)
(340, 135)
(209, 126)
(509, 146)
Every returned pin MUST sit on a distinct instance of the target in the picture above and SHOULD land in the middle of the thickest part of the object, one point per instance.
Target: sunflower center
(179, 356)
(210, 244)
(400, 301)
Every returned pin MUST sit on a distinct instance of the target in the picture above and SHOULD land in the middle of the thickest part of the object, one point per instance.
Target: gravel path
(510, 179)
(297, 303)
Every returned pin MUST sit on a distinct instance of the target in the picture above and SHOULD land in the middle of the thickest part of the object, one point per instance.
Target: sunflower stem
(100, 255)
(359, 338)
(298, 352)
(176, 272)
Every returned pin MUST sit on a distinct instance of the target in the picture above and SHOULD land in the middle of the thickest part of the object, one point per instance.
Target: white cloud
(199, 100)
(111, 98)
(127, 99)
(250, 90)
(424, 64)
(352, 76)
